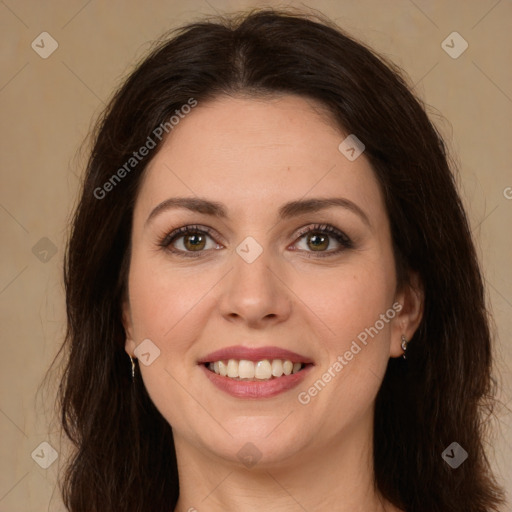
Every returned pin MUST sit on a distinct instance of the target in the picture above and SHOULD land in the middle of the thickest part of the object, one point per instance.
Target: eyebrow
(287, 211)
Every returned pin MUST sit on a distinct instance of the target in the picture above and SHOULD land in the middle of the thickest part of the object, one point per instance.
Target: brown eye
(194, 241)
(188, 240)
(318, 238)
(318, 242)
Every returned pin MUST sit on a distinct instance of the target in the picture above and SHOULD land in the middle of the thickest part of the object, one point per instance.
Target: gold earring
(133, 367)
(404, 345)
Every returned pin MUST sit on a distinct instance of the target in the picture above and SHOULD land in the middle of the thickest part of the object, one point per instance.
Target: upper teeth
(245, 369)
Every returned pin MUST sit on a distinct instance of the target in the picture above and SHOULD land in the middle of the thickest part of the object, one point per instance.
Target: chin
(257, 442)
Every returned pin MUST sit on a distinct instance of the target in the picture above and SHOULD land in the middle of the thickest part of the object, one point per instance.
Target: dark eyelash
(339, 236)
(167, 239)
(342, 238)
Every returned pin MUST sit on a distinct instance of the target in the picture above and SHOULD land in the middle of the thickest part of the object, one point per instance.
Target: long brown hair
(124, 458)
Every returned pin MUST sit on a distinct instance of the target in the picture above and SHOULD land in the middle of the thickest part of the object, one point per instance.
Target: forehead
(255, 154)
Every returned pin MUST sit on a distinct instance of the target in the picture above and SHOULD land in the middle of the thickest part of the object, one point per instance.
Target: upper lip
(254, 354)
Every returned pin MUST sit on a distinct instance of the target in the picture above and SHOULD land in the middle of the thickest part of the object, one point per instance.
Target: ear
(411, 298)
(130, 344)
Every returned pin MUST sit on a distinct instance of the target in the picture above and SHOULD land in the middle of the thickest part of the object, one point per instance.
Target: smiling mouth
(263, 370)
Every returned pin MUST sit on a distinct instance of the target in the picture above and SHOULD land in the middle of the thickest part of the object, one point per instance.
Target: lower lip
(254, 388)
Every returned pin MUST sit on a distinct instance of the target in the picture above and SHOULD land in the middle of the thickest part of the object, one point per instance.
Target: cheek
(164, 305)
(348, 299)
(161, 297)
(361, 315)
(356, 345)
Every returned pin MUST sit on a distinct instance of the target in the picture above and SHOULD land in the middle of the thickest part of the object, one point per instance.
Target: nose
(255, 294)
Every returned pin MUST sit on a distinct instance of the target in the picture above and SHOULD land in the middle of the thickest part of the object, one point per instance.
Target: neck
(337, 475)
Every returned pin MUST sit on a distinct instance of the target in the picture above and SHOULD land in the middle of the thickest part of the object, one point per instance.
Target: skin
(253, 155)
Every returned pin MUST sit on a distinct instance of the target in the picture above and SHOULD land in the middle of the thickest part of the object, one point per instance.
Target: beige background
(47, 109)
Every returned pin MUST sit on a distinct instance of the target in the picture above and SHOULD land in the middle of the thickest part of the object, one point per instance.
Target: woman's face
(250, 284)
